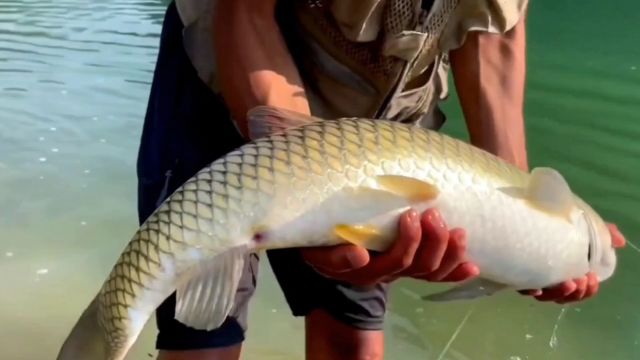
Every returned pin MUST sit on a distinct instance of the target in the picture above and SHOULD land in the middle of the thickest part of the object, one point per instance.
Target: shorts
(186, 127)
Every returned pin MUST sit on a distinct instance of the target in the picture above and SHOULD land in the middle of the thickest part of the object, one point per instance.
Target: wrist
(509, 145)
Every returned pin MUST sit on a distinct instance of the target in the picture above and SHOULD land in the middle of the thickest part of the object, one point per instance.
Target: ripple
(49, 81)
(44, 43)
(18, 71)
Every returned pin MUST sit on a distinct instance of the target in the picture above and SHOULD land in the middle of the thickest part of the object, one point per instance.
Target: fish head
(602, 254)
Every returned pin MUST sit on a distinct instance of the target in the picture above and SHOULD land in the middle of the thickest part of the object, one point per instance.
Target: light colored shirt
(337, 90)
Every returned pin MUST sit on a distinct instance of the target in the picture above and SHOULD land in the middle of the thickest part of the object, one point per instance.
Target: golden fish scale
(245, 186)
(352, 151)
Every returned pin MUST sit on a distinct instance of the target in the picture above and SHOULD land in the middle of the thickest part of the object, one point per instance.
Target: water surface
(74, 82)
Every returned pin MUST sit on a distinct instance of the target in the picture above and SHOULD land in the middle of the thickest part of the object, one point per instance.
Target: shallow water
(74, 81)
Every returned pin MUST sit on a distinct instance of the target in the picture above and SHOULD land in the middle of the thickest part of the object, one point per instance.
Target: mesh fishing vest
(367, 58)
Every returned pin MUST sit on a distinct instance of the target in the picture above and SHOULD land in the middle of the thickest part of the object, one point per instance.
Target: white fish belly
(513, 243)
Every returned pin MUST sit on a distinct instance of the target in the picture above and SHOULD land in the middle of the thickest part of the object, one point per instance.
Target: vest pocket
(417, 101)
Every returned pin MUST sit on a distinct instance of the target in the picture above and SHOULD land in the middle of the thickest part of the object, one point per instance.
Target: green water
(74, 81)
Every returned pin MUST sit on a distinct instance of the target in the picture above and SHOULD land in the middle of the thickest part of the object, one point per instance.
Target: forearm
(489, 73)
(254, 66)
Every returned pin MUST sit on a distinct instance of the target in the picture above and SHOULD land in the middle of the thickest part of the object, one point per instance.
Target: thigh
(360, 308)
(186, 127)
(342, 321)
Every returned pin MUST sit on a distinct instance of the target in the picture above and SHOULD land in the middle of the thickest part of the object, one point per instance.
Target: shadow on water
(74, 83)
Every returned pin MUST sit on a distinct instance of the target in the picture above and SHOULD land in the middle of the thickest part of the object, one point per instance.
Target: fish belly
(511, 242)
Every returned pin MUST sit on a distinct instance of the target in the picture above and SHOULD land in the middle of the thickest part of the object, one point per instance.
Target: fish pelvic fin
(268, 120)
(86, 341)
(377, 209)
(366, 236)
(468, 290)
(547, 191)
(414, 190)
(206, 293)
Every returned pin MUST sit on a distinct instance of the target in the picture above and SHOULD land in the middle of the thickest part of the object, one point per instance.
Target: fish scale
(287, 188)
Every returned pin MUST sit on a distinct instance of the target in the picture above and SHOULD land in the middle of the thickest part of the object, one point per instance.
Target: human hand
(425, 249)
(577, 289)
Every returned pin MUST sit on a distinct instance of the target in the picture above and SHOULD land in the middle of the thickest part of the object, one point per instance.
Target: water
(74, 81)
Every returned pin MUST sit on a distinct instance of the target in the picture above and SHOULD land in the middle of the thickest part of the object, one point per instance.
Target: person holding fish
(345, 58)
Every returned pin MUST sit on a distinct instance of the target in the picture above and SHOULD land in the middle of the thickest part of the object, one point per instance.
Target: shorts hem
(230, 334)
(354, 321)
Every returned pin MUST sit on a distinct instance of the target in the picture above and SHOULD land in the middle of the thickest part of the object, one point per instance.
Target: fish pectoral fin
(412, 189)
(550, 191)
(366, 236)
(267, 120)
(372, 215)
(206, 296)
(547, 191)
(467, 291)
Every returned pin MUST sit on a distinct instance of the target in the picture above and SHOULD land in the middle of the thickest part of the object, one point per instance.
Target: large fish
(313, 182)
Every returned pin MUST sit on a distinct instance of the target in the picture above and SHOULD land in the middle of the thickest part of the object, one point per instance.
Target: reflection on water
(74, 81)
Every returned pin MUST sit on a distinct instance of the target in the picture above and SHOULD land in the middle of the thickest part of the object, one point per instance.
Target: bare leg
(330, 339)
(226, 353)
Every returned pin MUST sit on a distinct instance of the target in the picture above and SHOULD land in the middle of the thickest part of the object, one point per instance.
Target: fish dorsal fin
(549, 192)
(207, 292)
(412, 189)
(268, 120)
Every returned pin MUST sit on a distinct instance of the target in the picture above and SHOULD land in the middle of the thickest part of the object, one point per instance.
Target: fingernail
(436, 218)
(475, 271)
(413, 216)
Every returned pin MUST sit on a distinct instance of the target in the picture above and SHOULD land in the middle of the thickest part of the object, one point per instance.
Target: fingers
(586, 288)
(569, 291)
(593, 285)
(453, 256)
(398, 258)
(577, 294)
(434, 235)
(557, 292)
(441, 254)
(617, 239)
(334, 260)
(436, 239)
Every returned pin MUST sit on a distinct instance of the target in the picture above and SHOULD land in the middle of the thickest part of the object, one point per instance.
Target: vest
(366, 58)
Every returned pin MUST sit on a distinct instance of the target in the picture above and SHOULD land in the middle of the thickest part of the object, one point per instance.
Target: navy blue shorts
(186, 127)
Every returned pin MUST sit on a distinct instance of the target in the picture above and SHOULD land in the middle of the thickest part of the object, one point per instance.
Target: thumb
(336, 259)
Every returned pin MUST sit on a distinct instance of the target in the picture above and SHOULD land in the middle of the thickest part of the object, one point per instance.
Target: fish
(304, 181)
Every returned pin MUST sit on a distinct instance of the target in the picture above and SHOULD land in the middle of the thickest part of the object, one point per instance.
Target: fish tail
(86, 341)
